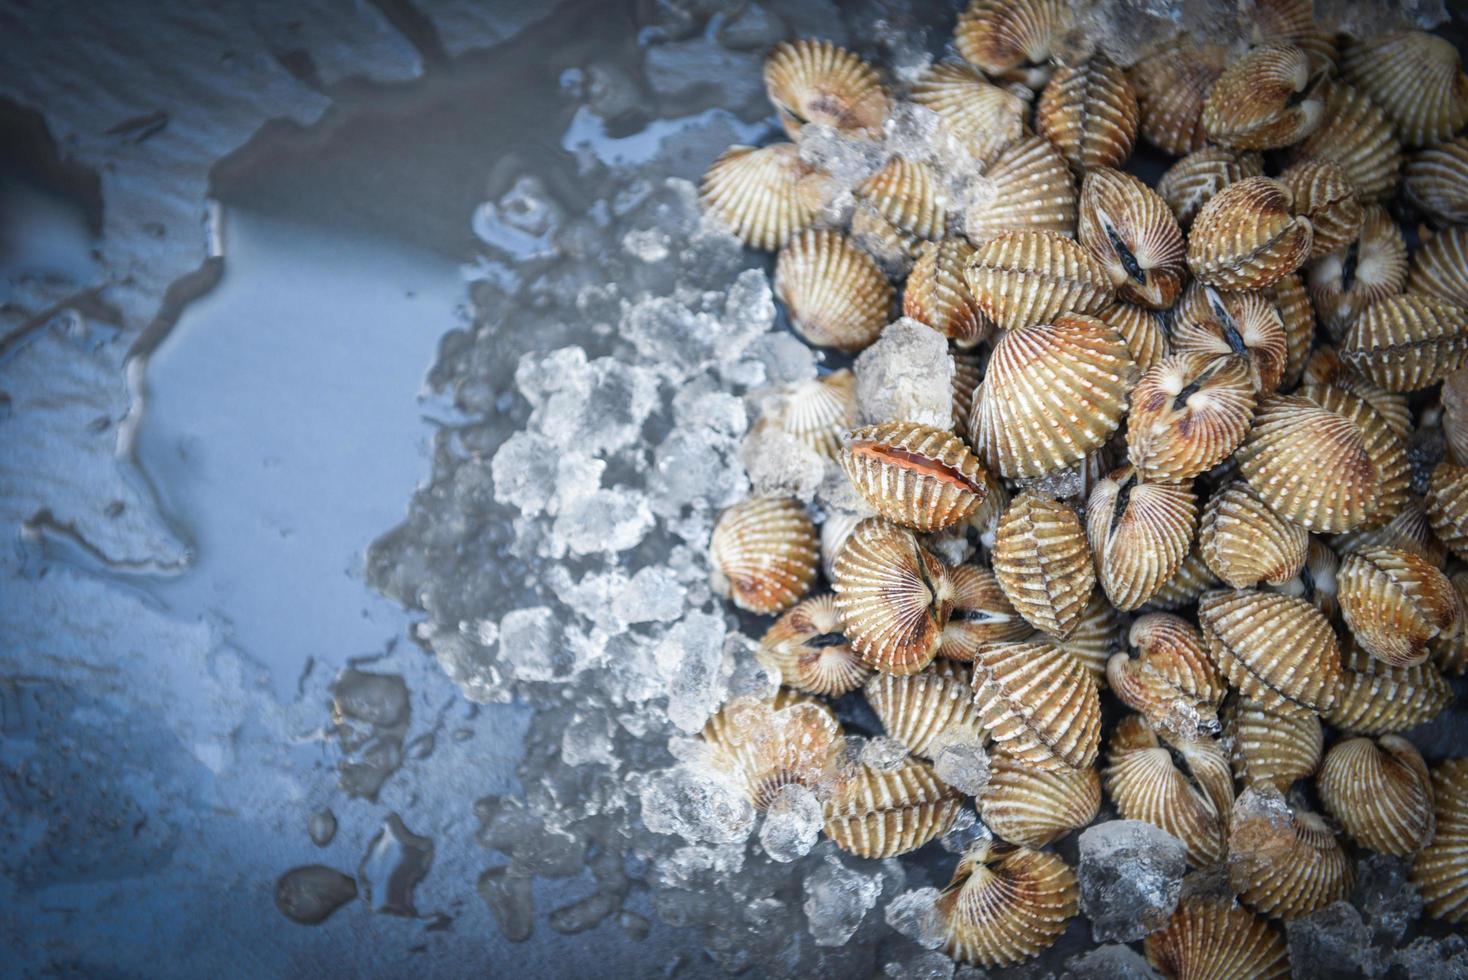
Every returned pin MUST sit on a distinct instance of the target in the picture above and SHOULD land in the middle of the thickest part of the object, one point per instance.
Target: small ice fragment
(1130, 876)
(792, 823)
(602, 521)
(1332, 944)
(1426, 958)
(965, 831)
(883, 753)
(692, 652)
(524, 471)
(780, 465)
(653, 595)
(837, 899)
(646, 244)
(907, 375)
(531, 645)
(908, 963)
(697, 805)
(1109, 963)
(785, 358)
(915, 915)
(1387, 899)
(960, 761)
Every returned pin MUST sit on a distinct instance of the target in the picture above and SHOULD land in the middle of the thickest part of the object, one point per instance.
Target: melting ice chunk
(792, 823)
(837, 899)
(1130, 875)
(697, 805)
(907, 375)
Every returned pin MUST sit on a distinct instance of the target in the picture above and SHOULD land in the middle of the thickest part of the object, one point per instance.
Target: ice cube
(693, 652)
(1386, 897)
(524, 471)
(1332, 943)
(602, 521)
(1130, 876)
(1109, 963)
(592, 406)
(960, 761)
(653, 595)
(696, 804)
(907, 375)
(915, 914)
(883, 753)
(1427, 958)
(779, 464)
(965, 831)
(837, 899)
(793, 821)
(910, 963)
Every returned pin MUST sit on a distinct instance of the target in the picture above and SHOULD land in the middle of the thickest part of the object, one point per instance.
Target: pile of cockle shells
(1235, 369)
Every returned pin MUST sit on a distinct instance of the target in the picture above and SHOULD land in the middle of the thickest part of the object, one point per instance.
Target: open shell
(1033, 190)
(763, 554)
(1292, 442)
(811, 81)
(776, 742)
(1274, 746)
(1005, 905)
(762, 195)
(881, 813)
(1436, 180)
(1170, 681)
(1325, 194)
(1375, 698)
(914, 475)
(1357, 136)
(1273, 648)
(1022, 278)
(1038, 704)
(1271, 97)
(980, 115)
(1089, 113)
(1043, 564)
(1171, 87)
(1131, 230)
(1285, 864)
(1372, 266)
(981, 614)
(1032, 807)
(1012, 40)
(1380, 791)
(1213, 939)
(1440, 266)
(1139, 534)
(923, 710)
(1194, 180)
(1407, 342)
(1441, 870)
(808, 646)
(1417, 78)
(836, 295)
(1246, 236)
(1243, 325)
(1245, 543)
(1396, 603)
(1189, 412)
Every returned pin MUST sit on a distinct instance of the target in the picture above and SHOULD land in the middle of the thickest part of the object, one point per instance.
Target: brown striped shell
(1375, 698)
(1243, 325)
(1191, 581)
(1022, 278)
(1139, 534)
(1441, 869)
(980, 115)
(1372, 266)
(1358, 136)
(1450, 653)
(1089, 113)
(1012, 40)
(1326, 368)
(1409, 531)
(1246, 236)
(1440, 266)
(1273, 648)
(808, 646)
(1417, 78)
(936, 294)
(880, 813)
(1447, 506)
(914, 475)
(1193, 181)
(1032, 191)
(981, 614)
(1141, 329)
(1171, 87)
(1284, 862)
(1454, 398)
(1395, 603)
(1031, 807)
(1214, 939)
(1131, 230)
(1182, 785)
(820, 412)
(811, 81)
(1054, 392)
(1436, 180)
(1407, 342)
(1271, 97)
(1095, 638)
(1292, 21)
(763, 554)
(1275, 746)
(1005, 905)
(836, 529)
(1043, 564)
(1245, 543)
(1292, 442)
(836, 295)
(923, 710)
(767, 744)
(910, 195)
(1189, 412)
(1171, 682)
(1324, 194)
(1384, 448)
(1038, 704)
(1292, 301)
(895, 596)
(1380, 792)
(762, 195)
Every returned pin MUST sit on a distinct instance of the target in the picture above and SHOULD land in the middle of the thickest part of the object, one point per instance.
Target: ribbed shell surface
(1273, 648)
(1089, 113)
(1357, 136)
(1033, 190)
(1006, 905)
(1292, 301)
(1418, 80)
(1222, 324)
(1440, 266)
(1011, 39)
(982, 614)
(1447, 506)
(984, 117)
(936, 294)
(1192, 804)
(1043, 564)
(1142, 331)
(1380, 792)
(918, 708)
(1290, 871)
(818, 82)
(1132, 231)
(1245, 543)
(758, 194)
(1270, 97)
(1139, 534)
(836, 295)
(1095, 638)
(1384, 447)
(1023, 278)
(1038, 704)
(883, 813)
(1325, 194)
(1436, 180)
(764, 553)
(1189, 412)
(809, 649)
(894, 596)
(1031, 807)
(1396, 602)
(909, 194)
(1183, 589)
(1193, 181)
(1274, 746)
(1171, 87)
(1375, 698)
(820, 412)
(1171, 682)
(1407, 342)
(1246, 236)
(1292, 442)
(1372, 266)
(769, 744)
(1441, 870)
(1212, 939)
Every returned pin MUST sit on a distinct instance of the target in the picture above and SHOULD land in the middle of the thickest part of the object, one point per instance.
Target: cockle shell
(915, 475)
(1188, 413)
(1171, 87)
(1005, 905)
(1292, 21)
(1441, 869)
(1407, 342)
(936, 294)
(1095, 638)
(1454, 398)
(762, 194)
(1436, 180)
(811, 81)
(1031, 807)
(1053, 393)
(771, 743)
(1325, 368)
(1380, 791)
(1440, 266)
(1246, 236)
(1395, 603)
(1191, 581)
(1131, 230)
(1141, 329)
(1409, 531)
(1089, 113)
(1170, 681)
(1292, 301)
(1245, 543)
(1375, 698)
(1384, 448)
(1450, 653)
(1447, 506)
(923, 710)
(1276, 746)
(892, 249)
(836, 295)
(880, 813)
(820, 412)
(910, 195)
(1022, 278)
(1357, 135)
(808, 647)
(1214, 939)
(1325, 194)
(1315, 581)
(1033, 190)
(763, 554)
(1417, 78)
(1194, 180)
(968, 371)
(1292, 442)
(1271, 97)
(1285, 862)
(981, 614)
(895, 596)
(1243, 325)
(1012, 40)
(836, 530)
(1273, 648)
(1372, 266)
(980, 115)
(1043, 564)
(1182, 785)
(1139, 534)
(1038, 704)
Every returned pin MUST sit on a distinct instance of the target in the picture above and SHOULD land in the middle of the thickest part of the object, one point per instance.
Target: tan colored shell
(1031, 807)
(1022, 278)
(1131, 230)
(1375, 698)
(761, 194)
(1384, 448)
(1441, 870)
(1038, 704)
(1244, 325)
(1142, 329)
(982, 116)
(1043, 564)
(1324, 193)
(811, 81)
(1191, 581)
(1436, 180)
(936, 294)
(1285, 865)
(981, 614)
(767, 744)
(986, 519)
(1292, 301)
(1407, 342)
(1193, 181)
(1326, 368)
(1450, 653)
(1440, 266)
(1380, 792)
(914, 475)
(808, 647)
(1417, 78)
(763, 554)
(1246, 236)
(1005, 905)
(1032, 190)
(836, 295)
(1012, 40)
(836, 530)
(1409, 531)
(910, 195)
(1292, 21)
(968, 371)
(820, 412)
(923, 710)
(1395, 603)
(1089, 113)
(1171, 87)
(1292, 442)
(1272, 746)
(1192, 802)
(1245, 543)
(1139, 534)
(1053, 393)
(1188, 413)
(1454, 397)
(894, 595)
(1170, 681)
(1095, 638)
(1315, 582)
(1447, 506)
(1270, 97)
(1357, 135)
(1214, 939)
(880, 813)
(1273, 648)
(1372, 266)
